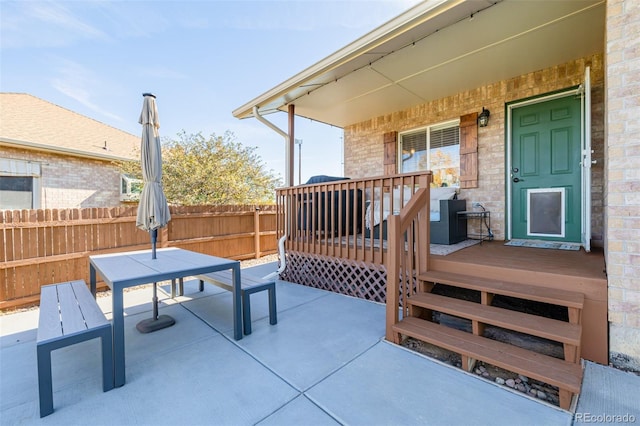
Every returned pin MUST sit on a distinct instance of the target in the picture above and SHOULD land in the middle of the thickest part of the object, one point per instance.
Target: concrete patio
(325, 362)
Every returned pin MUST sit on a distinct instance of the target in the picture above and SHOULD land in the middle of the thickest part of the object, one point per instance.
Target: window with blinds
(435, 148)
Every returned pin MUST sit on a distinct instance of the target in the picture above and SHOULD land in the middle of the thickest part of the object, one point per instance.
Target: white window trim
(22, 168)
(427, 129)
(128, 195)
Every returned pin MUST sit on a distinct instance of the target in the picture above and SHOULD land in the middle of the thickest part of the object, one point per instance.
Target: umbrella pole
(154, 239)
(156, 322)
(155, 301)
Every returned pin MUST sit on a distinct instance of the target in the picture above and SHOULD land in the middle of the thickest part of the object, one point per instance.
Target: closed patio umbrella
(153, 210)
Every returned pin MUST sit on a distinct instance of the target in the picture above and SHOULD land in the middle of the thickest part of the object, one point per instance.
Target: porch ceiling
(436, 49)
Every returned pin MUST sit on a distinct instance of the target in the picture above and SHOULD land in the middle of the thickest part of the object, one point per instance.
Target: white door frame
(585, 161)
(508, 124)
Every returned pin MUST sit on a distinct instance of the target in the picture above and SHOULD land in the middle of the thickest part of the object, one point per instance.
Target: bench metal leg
(106, 341)
(246, 305)
(45, 381)
(273, 312)
(246, 311)
(180, 291)
(45, 385)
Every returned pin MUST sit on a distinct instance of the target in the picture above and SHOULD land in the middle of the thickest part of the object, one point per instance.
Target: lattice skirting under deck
(350, 277)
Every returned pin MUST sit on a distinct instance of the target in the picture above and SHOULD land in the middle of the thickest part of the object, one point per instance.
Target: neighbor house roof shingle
(30, 122)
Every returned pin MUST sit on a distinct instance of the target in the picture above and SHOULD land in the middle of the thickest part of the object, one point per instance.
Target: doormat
(443, 250)
(555, 245)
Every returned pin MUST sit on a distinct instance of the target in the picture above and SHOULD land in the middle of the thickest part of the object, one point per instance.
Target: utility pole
(299, 143)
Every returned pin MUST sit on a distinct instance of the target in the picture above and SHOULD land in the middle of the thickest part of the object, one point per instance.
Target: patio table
(128, 269)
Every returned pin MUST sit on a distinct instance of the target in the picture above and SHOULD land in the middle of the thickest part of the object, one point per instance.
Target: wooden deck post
(393, 273)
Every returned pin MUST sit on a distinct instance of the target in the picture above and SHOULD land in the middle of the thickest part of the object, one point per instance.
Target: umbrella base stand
(150, 325)
(157, 322)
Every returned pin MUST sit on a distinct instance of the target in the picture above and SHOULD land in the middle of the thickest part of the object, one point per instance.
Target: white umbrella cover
(153, 210)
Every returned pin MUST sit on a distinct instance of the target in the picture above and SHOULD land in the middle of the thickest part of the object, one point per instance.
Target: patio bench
(68, 315)
(248, 285)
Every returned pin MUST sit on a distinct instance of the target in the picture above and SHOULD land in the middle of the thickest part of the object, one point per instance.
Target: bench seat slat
(70, 313)
(49, 325)
(226, 280)
(91, 312)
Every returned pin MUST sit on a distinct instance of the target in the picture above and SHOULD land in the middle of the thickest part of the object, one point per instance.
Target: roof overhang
(435, 49)
(13, 143)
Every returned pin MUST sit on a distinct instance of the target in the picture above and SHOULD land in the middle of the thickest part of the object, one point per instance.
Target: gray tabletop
(127, 269)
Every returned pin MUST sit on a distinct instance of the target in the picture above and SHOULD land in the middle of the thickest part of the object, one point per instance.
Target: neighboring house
(561, 82)
(54, 158)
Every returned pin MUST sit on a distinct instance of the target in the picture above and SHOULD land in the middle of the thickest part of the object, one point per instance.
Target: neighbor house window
(435, 148)
(130, 188)
(16, 192)
(19, 184)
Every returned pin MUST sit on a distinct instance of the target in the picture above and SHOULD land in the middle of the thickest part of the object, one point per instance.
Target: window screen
(444, 155)
(414, 152)
(436, 148)
(16, 192)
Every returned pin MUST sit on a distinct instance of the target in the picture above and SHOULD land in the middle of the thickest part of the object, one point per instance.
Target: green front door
(545, 171)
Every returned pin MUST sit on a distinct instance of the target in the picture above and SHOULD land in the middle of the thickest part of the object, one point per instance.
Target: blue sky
(201, 58)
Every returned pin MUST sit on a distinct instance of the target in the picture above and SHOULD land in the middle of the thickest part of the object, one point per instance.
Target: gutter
(13, 143)
(359, 48)
(288, 172)
(287, 169)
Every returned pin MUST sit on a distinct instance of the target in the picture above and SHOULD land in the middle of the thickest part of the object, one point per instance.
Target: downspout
(289, 174)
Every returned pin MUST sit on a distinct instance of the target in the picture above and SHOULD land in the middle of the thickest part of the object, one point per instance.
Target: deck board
(566, 262)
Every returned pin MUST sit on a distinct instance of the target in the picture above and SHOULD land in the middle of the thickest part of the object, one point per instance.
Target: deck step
(547, 328)
(567, 376)
(552, 296)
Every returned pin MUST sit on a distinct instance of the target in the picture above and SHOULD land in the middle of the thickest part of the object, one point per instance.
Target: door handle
(516, 180)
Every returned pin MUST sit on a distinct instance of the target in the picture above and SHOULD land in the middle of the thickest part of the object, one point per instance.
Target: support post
(393, 274)
(292, 138)
(256, 231)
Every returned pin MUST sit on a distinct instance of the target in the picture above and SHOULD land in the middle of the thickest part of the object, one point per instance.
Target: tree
(216, 171)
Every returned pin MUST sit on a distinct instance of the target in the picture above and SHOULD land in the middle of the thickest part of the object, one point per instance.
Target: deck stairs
(566, 374)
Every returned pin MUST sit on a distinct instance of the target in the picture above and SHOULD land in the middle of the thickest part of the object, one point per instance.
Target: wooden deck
(558, 269)
(562, 262)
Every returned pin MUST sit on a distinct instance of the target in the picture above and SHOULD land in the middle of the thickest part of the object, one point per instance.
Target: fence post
(163, 236)
(256, 230)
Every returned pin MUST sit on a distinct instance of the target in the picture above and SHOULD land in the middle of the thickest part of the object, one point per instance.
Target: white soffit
(505, 40)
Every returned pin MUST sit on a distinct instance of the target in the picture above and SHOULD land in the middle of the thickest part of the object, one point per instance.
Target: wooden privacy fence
(43, 247)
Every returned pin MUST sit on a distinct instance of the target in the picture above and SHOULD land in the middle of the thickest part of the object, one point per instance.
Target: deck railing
(408, 255)
(345, 219)
(381, 221)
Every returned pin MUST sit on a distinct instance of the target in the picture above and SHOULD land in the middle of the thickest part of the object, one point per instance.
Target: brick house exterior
(383, 84)
(363, 142)
(69, 157)
(622, 179)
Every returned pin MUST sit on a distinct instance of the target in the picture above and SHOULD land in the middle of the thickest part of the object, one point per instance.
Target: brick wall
(364, 150)
(72, 182)
(622, 199)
